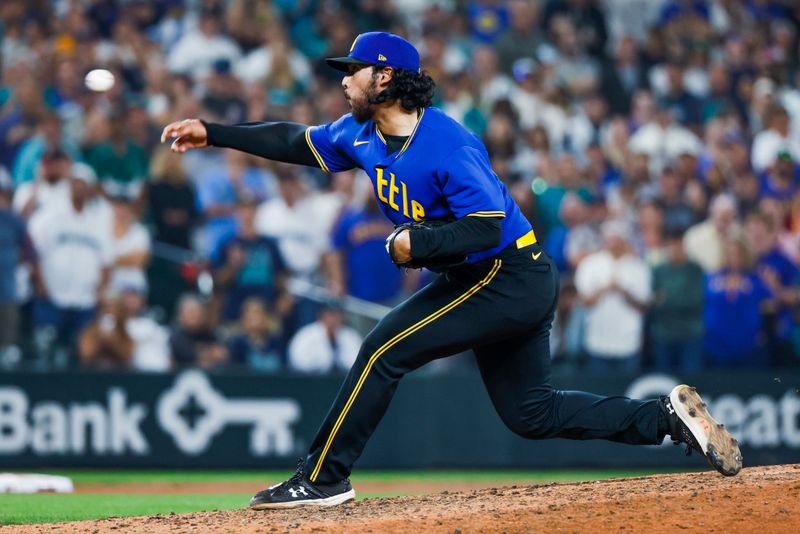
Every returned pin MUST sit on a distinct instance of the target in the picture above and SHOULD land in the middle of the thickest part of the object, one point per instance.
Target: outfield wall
(199, 420)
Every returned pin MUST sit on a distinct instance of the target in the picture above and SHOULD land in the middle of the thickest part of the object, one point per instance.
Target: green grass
(89, 476)
(51, 508)
(47, 508)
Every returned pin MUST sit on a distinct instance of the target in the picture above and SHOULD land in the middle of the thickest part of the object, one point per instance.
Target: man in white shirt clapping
(614, 285)
(75, 251)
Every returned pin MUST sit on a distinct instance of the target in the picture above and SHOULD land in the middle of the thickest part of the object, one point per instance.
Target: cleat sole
(719, 447)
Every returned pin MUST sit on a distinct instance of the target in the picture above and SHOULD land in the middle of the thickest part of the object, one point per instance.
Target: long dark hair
(414, 89)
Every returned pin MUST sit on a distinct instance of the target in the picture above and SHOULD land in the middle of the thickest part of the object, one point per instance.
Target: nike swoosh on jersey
(357, 142)
(536, 256)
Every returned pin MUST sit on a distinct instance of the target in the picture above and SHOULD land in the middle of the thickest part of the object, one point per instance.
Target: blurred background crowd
(653, 144)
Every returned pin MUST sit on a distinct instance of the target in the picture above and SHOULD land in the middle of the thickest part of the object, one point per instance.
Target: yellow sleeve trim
(315, 152)
(500, 214)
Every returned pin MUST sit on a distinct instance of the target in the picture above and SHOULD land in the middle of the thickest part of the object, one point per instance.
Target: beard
(362, 107)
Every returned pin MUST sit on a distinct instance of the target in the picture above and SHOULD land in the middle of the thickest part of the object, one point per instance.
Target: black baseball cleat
(299, 491)
(690, 423)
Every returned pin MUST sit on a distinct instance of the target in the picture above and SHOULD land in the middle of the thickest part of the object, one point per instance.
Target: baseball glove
(432, 264)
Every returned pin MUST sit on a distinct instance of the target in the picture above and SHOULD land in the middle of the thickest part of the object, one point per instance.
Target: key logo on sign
(209, 412)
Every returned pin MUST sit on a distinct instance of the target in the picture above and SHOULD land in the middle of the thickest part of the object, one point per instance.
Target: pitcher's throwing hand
(188, 133)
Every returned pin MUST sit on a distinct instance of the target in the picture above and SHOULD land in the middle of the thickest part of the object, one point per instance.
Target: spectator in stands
(601, 173)
(634, 186)
(649, 240)
(258, 346)
(245, 21)
(565, 340)
(174, 216)
(530, 103)
(676, 319)
(735, 302)
(786, 222)
(151, 349)
(556, 178)
(250, 265)
(586, 124)
(75, 251)
(193, 341)
(521, 38)
(776, 137)
(15, 248)
(49, 137)
(197, 50)
(621, 77)
(780, 179)
(258, 64)
(585, 238)
(614, 285)
(704, 241)
(281, 85)
(105, 343)
(440, 56)
(219, 190)
(677, 212)
(223, 98)
(172, 207)
(719, 101)
(22, 113)
(747, 190)
(780, 274)
(325, 346)
(172, 26)
(357, 263)
(589, 19)
(130, 242)
(686, 108)
(663, 138)
(574, 213)
(119, 159)
(577, 71)
(293, 218)
(50, 189)
(492, 85)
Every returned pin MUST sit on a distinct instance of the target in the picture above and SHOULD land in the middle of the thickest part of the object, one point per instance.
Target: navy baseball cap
(381, 49)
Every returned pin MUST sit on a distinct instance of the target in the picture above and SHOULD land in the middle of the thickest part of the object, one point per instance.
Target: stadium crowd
(653, 144)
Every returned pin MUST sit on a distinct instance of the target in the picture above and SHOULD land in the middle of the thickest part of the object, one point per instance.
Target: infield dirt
(759, 499)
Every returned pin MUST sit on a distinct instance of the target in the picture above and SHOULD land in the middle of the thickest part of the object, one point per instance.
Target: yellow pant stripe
(314, 151)
(389, 344)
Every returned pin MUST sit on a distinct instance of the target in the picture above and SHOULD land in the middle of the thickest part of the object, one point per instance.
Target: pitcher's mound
(759, 499)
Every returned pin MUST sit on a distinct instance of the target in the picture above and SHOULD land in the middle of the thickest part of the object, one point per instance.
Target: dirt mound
(762, 499)
(399, 487)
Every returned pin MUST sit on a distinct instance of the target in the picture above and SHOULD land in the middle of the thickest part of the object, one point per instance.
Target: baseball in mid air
(99, 80)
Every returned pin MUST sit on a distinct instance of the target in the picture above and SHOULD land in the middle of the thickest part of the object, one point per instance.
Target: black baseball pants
(502, 308)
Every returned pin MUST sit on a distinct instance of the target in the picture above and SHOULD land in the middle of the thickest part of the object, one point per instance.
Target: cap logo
(381, 57)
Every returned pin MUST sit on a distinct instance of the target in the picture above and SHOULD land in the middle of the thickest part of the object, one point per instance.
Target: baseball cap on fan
(381, 49)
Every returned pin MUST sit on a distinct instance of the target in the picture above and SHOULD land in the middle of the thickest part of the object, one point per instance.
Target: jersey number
(387, 189)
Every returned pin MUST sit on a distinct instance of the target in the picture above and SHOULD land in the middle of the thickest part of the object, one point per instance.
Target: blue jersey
(732, 316)
(442, 172)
